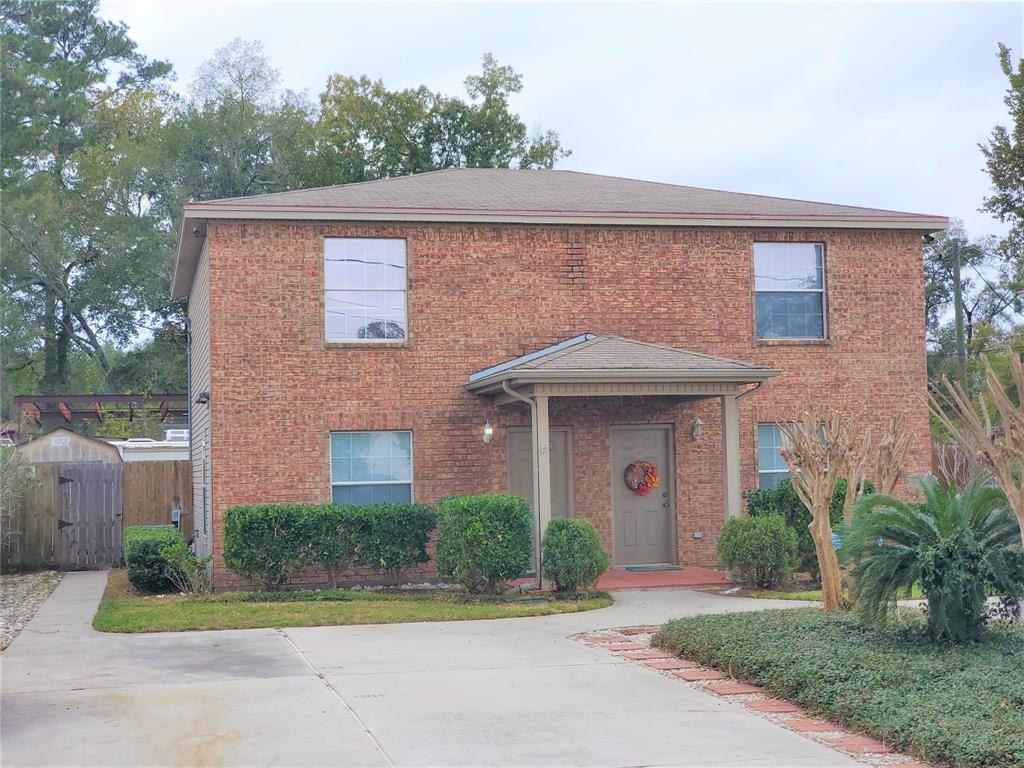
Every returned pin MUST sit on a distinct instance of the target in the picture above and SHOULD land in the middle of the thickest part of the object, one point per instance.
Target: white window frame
(404, 290)
(412, 461)
(761, 472)
(822, 291)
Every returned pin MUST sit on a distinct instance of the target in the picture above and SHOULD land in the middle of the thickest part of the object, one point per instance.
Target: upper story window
(789, 280)
(364, 289)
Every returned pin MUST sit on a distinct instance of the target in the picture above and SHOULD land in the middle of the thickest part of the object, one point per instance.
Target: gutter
(623, 375)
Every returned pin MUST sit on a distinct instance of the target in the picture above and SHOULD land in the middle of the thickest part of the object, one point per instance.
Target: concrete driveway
(506, 692)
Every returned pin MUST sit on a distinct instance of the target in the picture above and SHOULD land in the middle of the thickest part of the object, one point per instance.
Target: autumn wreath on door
(641, 477)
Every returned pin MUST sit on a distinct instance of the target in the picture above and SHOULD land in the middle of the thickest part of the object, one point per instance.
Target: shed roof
(67, 445)
(589, 357)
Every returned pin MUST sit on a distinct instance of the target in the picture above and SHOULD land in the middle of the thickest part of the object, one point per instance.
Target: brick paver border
(634, 644)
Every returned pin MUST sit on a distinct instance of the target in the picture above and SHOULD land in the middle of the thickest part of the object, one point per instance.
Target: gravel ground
(21, 594)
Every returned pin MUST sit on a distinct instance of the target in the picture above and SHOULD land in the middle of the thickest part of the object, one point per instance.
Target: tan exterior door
(644, 525)
(520, 468)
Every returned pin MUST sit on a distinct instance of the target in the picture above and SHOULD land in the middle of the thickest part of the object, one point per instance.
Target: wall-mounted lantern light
(698, 428)
(488, 432)
(203, 397)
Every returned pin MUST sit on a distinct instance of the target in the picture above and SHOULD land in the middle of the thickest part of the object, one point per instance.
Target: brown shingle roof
(497, 190)
(588, 355)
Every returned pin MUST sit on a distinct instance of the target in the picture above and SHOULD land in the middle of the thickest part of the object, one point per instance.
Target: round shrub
(782, 500)
(761, 550)
(483, 541)
(143, 556)
(572, 555)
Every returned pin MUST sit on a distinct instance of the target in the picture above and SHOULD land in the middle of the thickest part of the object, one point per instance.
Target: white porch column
(731, 455)
(543, 480)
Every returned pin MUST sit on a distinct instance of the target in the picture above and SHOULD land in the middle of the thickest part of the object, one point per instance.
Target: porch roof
(589, 358)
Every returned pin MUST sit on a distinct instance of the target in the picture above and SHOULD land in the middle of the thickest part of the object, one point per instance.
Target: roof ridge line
(325, 186)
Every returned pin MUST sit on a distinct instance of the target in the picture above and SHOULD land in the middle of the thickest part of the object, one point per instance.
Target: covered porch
(590, 379)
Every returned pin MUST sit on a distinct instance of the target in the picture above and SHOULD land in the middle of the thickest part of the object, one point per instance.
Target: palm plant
(957, 544)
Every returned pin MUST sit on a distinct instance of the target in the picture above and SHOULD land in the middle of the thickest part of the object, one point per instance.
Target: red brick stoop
(633, 644)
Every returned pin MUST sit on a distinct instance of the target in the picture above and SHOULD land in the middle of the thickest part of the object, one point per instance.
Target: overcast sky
(880, 105)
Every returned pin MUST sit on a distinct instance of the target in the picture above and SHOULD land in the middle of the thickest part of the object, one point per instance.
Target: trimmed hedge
(572, 555)
(146, 566)
(762, 550)
(273, 542)
(483, 541)
(391, 537)
(269, 542)
(957, 705)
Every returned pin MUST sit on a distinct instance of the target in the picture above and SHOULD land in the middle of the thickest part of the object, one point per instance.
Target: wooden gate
(90, 514)
(71, 519)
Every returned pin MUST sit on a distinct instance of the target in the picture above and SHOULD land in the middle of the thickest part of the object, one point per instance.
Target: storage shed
(63, 445)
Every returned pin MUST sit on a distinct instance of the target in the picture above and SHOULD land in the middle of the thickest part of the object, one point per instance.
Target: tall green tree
(239, 133)
(367, 131)
(83, 239)
(1004, 158)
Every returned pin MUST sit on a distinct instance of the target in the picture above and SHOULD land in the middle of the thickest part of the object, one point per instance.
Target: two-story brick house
(541, 332)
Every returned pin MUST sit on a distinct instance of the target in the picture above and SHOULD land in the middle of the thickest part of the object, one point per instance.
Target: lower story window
(771, 467)
(371, 467)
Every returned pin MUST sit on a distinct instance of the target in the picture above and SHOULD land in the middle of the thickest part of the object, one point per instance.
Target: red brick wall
(482, 294)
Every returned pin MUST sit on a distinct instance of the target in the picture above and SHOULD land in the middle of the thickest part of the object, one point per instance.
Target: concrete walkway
(505, 692)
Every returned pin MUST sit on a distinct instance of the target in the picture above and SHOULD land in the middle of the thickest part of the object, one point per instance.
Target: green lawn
(123, 611)
(963, 706)
(807, 595)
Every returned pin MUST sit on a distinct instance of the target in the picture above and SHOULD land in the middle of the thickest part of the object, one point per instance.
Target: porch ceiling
(612, 360)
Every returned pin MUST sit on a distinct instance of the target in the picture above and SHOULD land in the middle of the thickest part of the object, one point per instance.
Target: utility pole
(958, 308)
(958, 319)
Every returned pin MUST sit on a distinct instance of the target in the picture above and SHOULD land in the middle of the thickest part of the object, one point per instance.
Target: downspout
(535, 452)
(750, 391)
(188, 391)
(188, 380)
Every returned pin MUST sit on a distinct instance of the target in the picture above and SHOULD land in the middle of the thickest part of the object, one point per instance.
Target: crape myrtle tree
(993, 431)
(819, 453)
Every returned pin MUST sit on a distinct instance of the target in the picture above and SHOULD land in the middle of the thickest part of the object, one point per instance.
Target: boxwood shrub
(761, 550)
(483, 541)
(572, 555)
(782, 500)
(147, 568)
(273, 542)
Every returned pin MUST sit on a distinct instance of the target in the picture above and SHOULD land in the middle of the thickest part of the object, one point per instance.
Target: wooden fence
(74, 513)
(152, 488)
